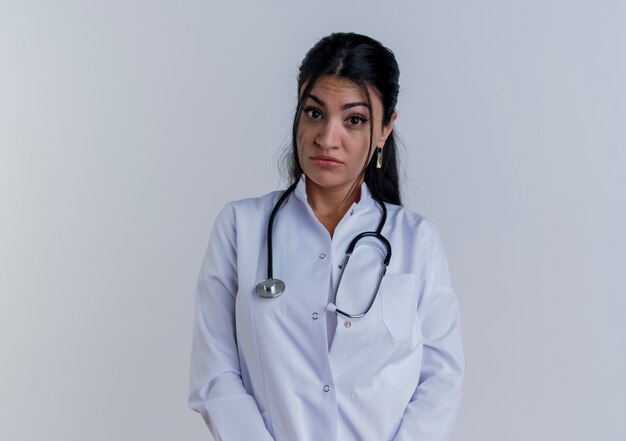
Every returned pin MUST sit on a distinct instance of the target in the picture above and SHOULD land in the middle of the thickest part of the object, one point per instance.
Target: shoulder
(421, 244)
(416, 231)
(410, 222)
(255, 205)
(249, 214)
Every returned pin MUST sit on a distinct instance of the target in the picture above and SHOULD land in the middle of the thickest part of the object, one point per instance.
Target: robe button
(315, 316)
(347, 324)
(326, 388)
(322, 256)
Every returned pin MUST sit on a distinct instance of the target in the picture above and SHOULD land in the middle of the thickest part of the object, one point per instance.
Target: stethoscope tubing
(270, 225)
(271, 288)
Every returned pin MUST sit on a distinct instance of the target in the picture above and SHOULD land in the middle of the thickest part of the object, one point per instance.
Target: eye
(356, 120)
(312, 113)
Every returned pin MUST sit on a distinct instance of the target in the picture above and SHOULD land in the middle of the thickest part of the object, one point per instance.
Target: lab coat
(288, 369)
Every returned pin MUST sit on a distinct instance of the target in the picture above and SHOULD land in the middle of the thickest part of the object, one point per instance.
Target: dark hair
(366, 62)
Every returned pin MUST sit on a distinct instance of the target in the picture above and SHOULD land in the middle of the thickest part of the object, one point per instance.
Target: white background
(126, 125)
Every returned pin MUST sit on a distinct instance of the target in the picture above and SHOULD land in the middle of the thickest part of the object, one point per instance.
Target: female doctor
(305, 328)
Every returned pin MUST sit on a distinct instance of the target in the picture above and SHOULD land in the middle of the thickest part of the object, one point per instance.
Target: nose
(329, 135)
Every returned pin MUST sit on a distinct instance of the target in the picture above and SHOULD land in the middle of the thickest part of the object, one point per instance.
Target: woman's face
(334, 132)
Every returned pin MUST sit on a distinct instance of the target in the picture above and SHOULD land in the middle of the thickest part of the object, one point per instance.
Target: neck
(330, 205)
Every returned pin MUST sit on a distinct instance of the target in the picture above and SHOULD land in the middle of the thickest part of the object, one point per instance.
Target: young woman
(325, 312)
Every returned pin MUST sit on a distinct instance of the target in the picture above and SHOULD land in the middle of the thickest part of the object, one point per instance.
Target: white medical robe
(287, 369)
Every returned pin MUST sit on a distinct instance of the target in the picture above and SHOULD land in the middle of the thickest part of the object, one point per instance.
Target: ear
(387, 129)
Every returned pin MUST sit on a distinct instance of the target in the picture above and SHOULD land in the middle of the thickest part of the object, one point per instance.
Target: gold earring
(379, 157)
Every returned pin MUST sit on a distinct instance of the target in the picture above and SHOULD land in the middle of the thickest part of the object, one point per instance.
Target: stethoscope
(271, 287)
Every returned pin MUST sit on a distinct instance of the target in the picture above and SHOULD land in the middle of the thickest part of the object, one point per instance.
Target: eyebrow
(344, 107)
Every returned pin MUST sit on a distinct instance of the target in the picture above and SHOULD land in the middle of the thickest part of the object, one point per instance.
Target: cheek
(299, 143)
(304, 137)
(361, 148)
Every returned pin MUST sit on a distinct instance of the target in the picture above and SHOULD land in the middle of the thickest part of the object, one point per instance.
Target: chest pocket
(399, 304)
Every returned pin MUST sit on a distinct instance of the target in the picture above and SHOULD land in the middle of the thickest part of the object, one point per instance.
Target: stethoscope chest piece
(270, 288)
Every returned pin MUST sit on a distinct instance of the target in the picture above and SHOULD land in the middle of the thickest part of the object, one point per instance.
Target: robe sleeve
(216, 389)
(432, 411)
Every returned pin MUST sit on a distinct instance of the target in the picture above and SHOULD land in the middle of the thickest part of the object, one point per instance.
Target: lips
(323, 158)
(326, 162)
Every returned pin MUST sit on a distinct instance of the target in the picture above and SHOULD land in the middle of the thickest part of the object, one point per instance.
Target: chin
(323, 180)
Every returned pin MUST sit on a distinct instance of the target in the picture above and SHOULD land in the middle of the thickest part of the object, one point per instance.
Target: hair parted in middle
(366, 62)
